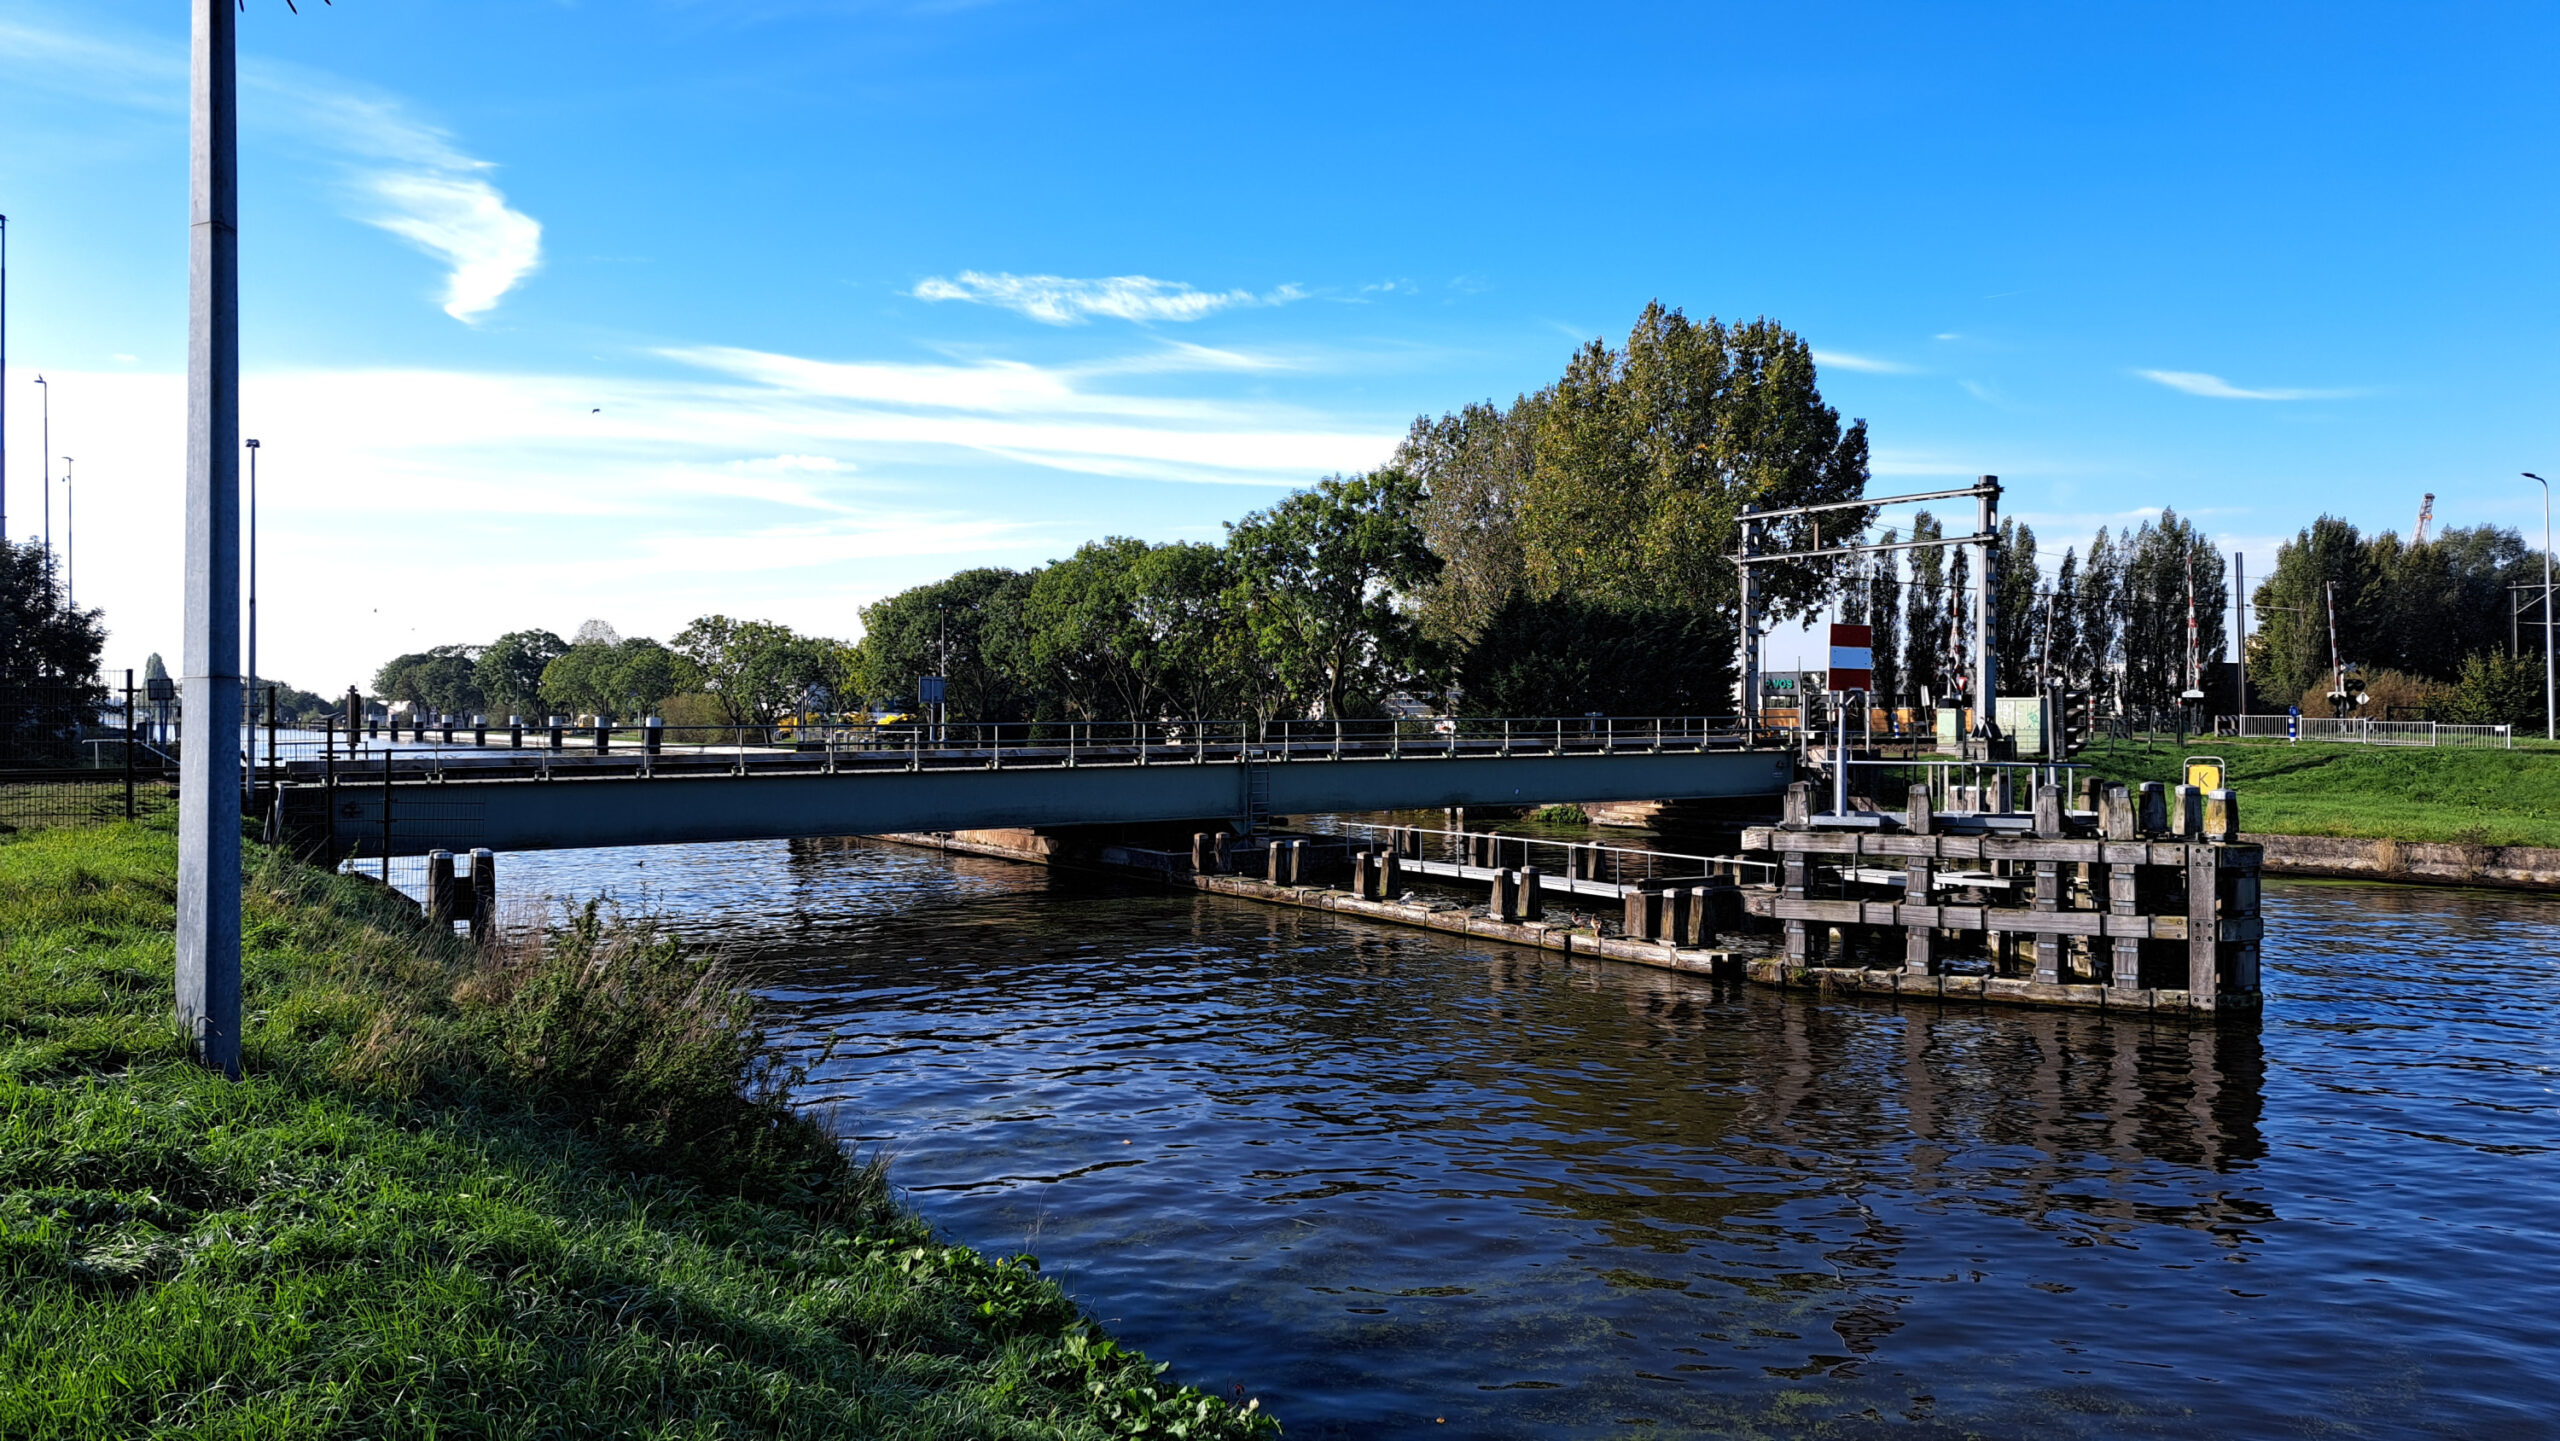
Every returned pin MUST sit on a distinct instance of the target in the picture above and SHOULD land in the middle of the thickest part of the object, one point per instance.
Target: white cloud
(463, 221)
(2214, 387)
(1843, 360)
(417, 185)
(1060, 300)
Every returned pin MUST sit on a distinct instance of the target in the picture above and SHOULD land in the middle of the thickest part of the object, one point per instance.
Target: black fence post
(130, 723)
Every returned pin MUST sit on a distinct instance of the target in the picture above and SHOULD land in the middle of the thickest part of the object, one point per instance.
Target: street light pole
(253, 591)
(4, 378)
(44, 471)
(70, 539)
(208, 929)
(2550, 696)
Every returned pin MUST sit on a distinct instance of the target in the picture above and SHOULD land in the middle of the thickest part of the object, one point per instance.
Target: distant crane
(2426, 512)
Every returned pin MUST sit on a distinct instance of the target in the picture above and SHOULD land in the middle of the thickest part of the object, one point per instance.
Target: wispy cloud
(2214, 387)
(406, 176)
(1061, 300)
(1843, 360)
(419, 186)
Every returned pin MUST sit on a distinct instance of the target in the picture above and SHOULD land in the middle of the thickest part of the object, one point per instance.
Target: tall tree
(1644, 456)
(48, 641)
(1474, 466)
(2169, 564)
(2021, 610)
(1925, 664)
(757, 670)
(1323, 577)
(969, 628)
(509, 671)
(1884, 612)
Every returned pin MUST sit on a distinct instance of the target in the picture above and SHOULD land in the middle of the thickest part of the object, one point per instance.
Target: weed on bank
(554, 1190)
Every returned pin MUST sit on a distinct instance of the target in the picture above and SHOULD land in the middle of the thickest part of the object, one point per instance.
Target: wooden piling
(1505, 902)
(1533, 900)
(2222, 816)
(2154, 817)
(1390, 878)
(1203, 859)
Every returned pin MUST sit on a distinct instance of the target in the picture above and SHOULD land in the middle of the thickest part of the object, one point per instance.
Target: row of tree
(2339, 599)
(2111, 622)
(744, 672)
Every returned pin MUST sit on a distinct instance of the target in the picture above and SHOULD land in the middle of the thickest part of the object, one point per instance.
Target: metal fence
(2358, 730)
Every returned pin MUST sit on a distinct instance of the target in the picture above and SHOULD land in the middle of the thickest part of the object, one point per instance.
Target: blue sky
(644, 309)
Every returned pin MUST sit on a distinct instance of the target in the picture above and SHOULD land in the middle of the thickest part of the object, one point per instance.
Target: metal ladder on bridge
(1257, 791)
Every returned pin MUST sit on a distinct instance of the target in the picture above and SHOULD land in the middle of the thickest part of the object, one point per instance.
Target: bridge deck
(542, 800)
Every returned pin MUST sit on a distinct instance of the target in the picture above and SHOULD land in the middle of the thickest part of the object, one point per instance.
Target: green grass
(552, 1192)
(2471, 797)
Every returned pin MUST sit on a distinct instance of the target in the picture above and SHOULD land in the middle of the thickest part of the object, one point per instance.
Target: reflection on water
(1397, 1183)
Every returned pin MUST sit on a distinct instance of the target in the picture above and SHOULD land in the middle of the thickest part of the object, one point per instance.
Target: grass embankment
(2467, 797)
(516, 1195)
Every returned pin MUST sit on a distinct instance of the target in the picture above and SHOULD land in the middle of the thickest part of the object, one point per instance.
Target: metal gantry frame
(1986, 592)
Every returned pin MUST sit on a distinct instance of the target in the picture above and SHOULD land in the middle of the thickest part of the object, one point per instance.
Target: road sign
(1853, 658)
(929, 690)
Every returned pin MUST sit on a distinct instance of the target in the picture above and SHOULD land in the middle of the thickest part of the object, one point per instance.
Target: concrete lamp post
(2550, 694)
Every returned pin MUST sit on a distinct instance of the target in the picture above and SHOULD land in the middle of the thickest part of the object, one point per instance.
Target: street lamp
(44, 471)
(2550, 697)
(70, 572)
(253, 593)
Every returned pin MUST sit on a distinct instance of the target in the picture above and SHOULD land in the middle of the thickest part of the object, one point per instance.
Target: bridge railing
(865, 743)
(1564, 859)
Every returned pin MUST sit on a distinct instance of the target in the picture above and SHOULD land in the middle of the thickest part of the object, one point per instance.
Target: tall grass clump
(553, 1188)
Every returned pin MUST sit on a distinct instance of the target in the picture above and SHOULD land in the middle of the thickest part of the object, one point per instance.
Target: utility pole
(4, 378)
(44, 473)
(70, 544)
(209, 773)
(1986, 617)
(253, 590)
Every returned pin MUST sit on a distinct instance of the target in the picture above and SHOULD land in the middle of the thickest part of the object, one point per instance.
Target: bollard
(448, 730)
(1275, 863)
(2188, 813)
(1296, 869)
(1390, 878)
(515, 732)
(479, 730)
(1644, 915)
(1222, 856)
(1505, 902)
(440, 890)
(484, 895)
(1675, 917)
(653, 734)
(2222, 815)
(2091, 787)
(2153, 817)
(1917, 819)
(1202, 857)
(604, 732)
(559, 729)
(1533, 894)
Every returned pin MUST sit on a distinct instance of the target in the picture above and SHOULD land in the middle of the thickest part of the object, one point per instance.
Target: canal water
(1401, 1184)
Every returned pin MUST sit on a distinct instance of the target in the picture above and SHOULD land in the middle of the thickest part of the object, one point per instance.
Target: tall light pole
(209, 764)
(2550, 697)
(44, 471)
(4, 377)
(253, 592)
(70, 573)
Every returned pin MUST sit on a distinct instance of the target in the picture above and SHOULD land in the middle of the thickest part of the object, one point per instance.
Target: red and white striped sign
(1853, 658)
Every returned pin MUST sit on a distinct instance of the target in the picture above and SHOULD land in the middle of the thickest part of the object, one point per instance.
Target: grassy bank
(514, 1195)
(2475, 797)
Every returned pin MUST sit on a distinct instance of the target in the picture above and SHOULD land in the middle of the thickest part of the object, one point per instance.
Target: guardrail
(1571, 860)
(2358, 730)
(438, 746)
